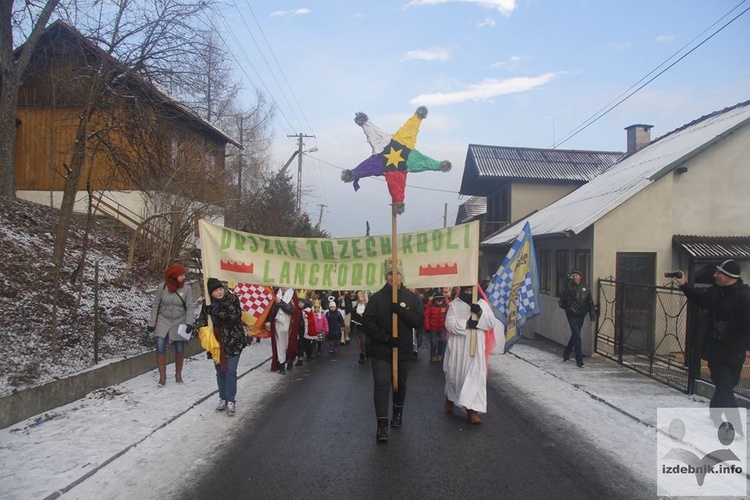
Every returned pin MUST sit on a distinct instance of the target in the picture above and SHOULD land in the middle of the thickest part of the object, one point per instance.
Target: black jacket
(378, 323)
(577, 301)
(226, 315)
(727, 334)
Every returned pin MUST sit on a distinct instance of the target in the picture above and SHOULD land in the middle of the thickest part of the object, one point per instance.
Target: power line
(252, 66)
(609, 107)
(270, 70)
(270, 49)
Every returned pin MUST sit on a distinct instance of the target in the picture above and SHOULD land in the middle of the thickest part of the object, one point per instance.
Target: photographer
(577, 301)
(727, 337)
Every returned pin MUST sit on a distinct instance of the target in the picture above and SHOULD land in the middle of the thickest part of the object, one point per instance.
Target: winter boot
(179, 359)
(161, 364)
(473, 417)
(382, 434)
(396, 420)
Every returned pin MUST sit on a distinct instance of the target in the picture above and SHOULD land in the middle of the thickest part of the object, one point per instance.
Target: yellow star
(394, 157)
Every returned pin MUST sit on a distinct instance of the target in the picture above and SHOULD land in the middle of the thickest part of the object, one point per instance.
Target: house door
(635, 306)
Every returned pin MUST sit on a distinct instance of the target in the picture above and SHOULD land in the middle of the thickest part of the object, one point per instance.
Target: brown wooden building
(139, 139)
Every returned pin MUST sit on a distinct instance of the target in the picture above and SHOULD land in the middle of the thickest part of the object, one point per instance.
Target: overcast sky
(499, 72)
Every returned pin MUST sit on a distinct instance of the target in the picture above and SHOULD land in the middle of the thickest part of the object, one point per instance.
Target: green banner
(435, 258)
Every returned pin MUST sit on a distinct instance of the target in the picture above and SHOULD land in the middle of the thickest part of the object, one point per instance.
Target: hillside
(26, 295)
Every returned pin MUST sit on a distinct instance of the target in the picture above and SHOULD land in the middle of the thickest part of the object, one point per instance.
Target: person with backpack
(172, 306)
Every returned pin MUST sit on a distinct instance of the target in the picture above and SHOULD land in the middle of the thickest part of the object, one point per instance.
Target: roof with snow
(595, 199)
(556, 165)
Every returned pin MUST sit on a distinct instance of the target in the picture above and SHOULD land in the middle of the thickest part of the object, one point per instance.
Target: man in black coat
(727, 338)
(577, 302)
(377, 322)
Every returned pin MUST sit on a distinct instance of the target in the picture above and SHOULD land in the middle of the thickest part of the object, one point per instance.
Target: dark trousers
(382, 374)
(725, 378)
(574, 344)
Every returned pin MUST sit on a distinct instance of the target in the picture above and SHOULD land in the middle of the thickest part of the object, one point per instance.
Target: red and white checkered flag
(256, 302)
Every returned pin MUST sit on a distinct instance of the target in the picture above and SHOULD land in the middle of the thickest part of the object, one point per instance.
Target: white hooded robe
(466, 376)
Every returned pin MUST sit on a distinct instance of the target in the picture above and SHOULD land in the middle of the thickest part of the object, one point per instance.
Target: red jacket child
(434, 314)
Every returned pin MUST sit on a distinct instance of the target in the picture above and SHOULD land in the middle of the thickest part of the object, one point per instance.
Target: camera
(673, 274)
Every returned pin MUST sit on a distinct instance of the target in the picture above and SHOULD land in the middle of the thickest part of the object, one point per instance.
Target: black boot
(382, 433)
(396, 420)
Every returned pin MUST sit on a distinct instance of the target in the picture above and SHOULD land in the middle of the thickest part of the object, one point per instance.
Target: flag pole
(394, 293)
(473, 331)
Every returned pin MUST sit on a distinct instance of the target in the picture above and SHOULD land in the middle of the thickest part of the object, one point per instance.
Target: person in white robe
(466, 375)
(282, 323)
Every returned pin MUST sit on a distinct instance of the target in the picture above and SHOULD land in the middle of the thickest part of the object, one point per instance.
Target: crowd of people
(305, 324)
(389, 326)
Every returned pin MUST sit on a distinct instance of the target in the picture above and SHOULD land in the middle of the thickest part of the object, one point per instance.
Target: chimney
(639, 136)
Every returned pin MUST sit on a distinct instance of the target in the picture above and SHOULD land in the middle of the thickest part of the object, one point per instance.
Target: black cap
(729, 268)
(213, 284)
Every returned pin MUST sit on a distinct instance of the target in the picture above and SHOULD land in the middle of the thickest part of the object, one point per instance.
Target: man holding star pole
(393, 156)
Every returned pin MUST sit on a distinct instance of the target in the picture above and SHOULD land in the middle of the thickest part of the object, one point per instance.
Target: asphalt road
(315, 439)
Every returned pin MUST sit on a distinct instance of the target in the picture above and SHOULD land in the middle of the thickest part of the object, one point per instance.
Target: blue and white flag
(514, 290)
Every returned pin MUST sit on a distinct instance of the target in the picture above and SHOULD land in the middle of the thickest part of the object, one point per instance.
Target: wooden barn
(139, 139)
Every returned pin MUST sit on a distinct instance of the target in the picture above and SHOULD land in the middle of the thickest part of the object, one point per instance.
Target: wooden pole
(394, 294)
(473, 331)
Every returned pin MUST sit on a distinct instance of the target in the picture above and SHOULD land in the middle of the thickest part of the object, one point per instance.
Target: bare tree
(208, 85)
(140, 38)
(12, 67)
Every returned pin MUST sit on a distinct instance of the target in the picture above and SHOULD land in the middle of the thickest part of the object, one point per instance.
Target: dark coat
(577, 301)
(335, 323)
(226, 316)
(378, 323)
(727, 334)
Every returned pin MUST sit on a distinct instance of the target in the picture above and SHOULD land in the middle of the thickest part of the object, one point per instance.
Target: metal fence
(649, 329)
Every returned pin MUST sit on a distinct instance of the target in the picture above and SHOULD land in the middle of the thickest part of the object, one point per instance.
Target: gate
(644, 328)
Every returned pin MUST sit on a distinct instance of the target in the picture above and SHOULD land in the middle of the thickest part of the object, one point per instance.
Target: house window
(583, 264)
(561, 270)
(210, 164)
(545, 270)
(498, 210)
(637, 268)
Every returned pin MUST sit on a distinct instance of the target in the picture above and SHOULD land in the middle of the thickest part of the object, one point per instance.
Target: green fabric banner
(435, 258)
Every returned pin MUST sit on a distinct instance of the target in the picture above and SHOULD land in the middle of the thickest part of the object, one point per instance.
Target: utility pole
(300, 145)
(445, 216)
(320, 217)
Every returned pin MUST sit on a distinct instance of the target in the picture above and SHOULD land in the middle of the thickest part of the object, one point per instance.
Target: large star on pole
(393, 156)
